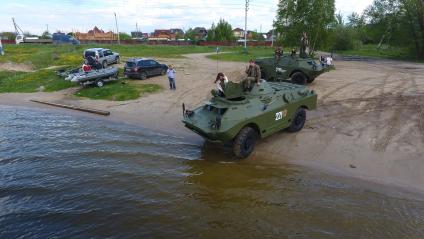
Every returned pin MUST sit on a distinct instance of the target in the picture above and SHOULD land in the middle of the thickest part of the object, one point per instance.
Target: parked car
(103, 56)
(143, 68)
(62, 38)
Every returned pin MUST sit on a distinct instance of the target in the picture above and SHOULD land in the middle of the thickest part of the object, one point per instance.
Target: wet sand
(369, 123)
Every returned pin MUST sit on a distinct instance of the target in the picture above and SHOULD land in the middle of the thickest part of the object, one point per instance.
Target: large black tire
(299, 78)
(104, 64)
(163, 72)
(244, 143)
(143, 75)
(298, 120)
(118, 60)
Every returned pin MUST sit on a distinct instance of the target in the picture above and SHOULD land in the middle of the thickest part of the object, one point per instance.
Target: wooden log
(88, 110)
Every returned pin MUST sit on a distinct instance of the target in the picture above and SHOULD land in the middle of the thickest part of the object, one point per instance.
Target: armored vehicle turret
(241, 117)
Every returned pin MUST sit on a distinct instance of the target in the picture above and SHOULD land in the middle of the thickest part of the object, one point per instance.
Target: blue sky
(79, 15)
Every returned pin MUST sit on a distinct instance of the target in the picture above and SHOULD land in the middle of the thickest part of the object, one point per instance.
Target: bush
(342, 39)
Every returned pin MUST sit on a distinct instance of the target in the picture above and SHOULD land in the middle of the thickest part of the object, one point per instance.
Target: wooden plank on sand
(88, 110)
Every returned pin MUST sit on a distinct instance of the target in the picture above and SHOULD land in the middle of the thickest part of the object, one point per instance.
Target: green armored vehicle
(293, 69)
(241, 117)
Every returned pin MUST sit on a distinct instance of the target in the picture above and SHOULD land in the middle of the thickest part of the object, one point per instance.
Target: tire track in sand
(394, 123)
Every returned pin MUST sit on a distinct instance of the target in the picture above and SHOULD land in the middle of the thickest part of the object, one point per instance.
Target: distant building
(162, 34)
(137, 35)
(270, 37)
(200, 33)
(96, 35)
(238, 33)
(177, 31)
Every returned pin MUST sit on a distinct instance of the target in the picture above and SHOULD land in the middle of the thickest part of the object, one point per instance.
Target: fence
(171, 43)
(4, 42)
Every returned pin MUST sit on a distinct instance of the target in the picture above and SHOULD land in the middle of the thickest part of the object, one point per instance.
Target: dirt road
(369, 122)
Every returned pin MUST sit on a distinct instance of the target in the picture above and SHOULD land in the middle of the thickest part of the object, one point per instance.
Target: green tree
(190, 35)
(221, 32)
(397, 23)
(46, 35)
(257, 36)
(124, 36)
(311, 16)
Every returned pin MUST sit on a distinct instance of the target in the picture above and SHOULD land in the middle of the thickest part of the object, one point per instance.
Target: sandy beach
(369, 123)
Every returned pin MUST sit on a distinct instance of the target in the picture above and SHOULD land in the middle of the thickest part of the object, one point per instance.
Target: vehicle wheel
(104, 64)
(298, 120)
(118, 60)
(143, 75)
(299, 78)
(100, 83)
(163, 72)
(310, 80)
(244, 143)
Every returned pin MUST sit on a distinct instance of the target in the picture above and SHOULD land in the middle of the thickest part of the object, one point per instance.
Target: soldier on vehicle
(253, 72)
(278, 53)
(304, 43)
(293, 52)
(220, 81)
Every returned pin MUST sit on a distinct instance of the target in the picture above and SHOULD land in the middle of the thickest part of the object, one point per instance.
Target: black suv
(143, 68)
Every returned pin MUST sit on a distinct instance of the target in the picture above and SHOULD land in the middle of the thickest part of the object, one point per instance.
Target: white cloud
(67, 15)
(346, 7)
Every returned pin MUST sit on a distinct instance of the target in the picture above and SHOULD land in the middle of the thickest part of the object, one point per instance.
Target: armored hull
(291, 69)
(266, 109)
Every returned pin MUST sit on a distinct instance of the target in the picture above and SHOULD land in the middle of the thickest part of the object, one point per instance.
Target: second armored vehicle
(242, 117)
(293, 69)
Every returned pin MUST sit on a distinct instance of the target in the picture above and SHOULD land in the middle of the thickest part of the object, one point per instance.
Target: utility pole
(117, 30)
(245, 25)
(272, 35)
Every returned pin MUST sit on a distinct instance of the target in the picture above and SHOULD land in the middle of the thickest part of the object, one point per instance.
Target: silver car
(103, 56)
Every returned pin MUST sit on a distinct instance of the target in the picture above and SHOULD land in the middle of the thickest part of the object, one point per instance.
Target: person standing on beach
(171, 77)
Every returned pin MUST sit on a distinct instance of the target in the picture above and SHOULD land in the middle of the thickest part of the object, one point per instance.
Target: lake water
(64, 176)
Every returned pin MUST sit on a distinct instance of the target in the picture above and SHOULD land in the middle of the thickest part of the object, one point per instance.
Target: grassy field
(42, 56)
(118, 91)
(42, 80)
(385, 53)
(237, 53)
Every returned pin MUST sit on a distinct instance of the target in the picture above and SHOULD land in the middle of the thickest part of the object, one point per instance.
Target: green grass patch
(42, 56)
(395, 53)
(26, 82)
(117, 91)
(237, 53)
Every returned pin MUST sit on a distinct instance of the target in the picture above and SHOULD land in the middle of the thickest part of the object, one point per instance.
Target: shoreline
(376, 184)
(368, 124)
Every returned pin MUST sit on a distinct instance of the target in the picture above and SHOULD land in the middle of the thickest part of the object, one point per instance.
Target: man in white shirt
(171, 77)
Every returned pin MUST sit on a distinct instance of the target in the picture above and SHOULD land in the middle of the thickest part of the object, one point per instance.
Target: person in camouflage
(253, 72)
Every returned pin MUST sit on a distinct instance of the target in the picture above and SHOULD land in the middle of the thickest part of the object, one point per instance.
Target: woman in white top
(220, 81)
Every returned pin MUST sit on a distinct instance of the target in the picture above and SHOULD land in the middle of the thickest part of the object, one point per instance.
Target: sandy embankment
(369, 123)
